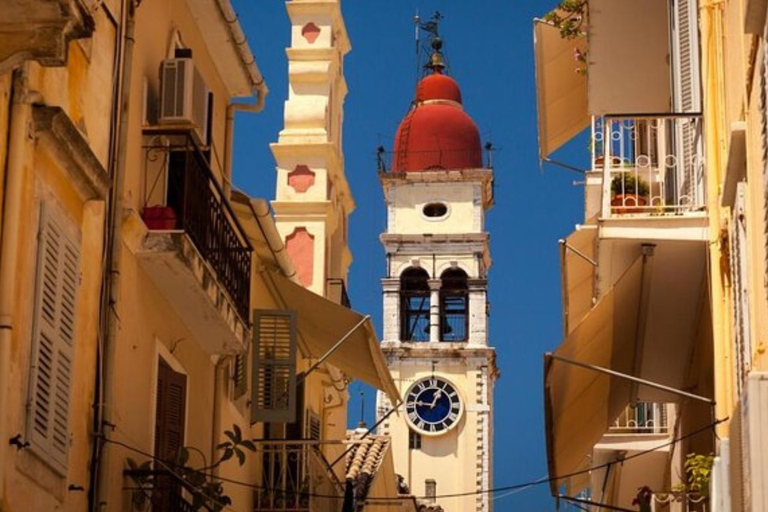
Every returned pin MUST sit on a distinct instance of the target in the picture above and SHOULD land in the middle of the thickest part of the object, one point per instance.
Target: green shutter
(273, 390)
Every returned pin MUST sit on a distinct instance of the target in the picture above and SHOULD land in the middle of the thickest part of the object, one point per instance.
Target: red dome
(435, 134)
(438, 87)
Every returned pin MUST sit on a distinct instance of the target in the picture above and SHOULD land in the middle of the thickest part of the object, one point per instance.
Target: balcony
(642, 418)
(439, 160)
(161, 489)
(648, 174)
(295, 477)
(192, 246)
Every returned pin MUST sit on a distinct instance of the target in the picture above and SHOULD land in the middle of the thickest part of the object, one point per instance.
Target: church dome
(436, 133)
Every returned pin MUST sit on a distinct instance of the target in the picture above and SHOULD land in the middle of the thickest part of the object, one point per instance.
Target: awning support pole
(632, 378)
(333, 349)
(577, 252)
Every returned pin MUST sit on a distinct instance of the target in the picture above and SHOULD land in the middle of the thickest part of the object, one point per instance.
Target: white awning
(561, 91)
(580, 403)
(322, 324)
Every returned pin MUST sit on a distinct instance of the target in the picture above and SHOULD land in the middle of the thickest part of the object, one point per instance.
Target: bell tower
(437, 190)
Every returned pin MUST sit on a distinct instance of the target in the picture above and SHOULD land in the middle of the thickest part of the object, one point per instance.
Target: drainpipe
(18, 137)
(218, 400)
(229, 129)
(104, 479)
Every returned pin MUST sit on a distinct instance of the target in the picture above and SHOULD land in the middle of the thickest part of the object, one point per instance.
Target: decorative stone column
(391, 298)
(434, 310)
(478, 317)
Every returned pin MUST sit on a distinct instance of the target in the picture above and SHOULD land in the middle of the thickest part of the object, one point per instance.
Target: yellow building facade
(678, 129)
(155, 325)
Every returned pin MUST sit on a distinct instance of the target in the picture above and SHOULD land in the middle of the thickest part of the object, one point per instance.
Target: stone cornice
(58, 133)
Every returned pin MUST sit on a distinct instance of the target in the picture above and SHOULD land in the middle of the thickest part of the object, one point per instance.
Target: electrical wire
(514, 487)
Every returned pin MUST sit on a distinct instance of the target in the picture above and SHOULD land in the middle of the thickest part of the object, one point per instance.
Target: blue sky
(489, 46)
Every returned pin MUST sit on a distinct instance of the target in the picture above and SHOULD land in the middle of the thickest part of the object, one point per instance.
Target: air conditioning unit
(184, 97)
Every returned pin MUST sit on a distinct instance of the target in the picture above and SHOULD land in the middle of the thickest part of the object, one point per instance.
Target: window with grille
(56, 287)
(454, 305)
(430, 490)
(273, 386)
(414, 440)
(414, 304)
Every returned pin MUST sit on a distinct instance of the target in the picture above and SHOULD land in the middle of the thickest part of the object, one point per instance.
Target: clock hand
(434, 401)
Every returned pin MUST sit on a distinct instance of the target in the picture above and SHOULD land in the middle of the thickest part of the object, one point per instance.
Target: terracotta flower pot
(628, 203)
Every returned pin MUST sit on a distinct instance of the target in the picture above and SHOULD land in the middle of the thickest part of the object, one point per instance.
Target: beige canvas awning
(322, 324)
(577, 268)
(580, 403)
(561, 92)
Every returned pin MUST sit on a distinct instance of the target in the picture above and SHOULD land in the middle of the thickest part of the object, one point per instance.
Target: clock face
(433, 406)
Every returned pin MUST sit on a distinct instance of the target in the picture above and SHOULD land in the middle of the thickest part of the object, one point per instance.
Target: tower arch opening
(454, 305)
(414, 305)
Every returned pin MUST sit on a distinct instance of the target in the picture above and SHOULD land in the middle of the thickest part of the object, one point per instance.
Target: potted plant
(569, 17)
(643, 499)
(629, 191)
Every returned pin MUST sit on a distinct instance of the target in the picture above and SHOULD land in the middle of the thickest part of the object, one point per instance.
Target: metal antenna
(416, 28)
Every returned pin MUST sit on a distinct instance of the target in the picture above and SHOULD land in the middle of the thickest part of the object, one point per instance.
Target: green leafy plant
(568, 17)
(628, 183)
(698, 470)
(207, 493)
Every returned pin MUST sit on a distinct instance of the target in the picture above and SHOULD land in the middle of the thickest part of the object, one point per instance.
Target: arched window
(454, 305)
(414, 305)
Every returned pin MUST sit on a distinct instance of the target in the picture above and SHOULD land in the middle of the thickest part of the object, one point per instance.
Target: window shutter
(740, 286)
(274, 366)
(685, 55)
(57, 282)
(764, 137)
(687, 98)
(170, 412)
(239, 375)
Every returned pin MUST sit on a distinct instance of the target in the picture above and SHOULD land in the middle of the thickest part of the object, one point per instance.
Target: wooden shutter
(274, 366)
(764, 137)
(687, 98)
(740, 286)
(57, 283)
(170, 411)
(239, 375)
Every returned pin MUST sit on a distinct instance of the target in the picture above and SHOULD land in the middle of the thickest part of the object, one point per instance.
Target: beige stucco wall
(465, 210)
(451, 459)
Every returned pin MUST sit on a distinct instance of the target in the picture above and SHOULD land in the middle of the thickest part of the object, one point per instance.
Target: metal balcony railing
(437, 160)
(181, 193)
(161, 489)
(679, 502)
(642, 418)
(651, 165)
(295, 478)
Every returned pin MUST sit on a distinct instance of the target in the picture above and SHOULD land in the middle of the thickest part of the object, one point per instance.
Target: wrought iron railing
(295, 478)
(181, 192)
(443, 159)
(651, 165)
(161, 489)
(337, 292)
(642, 418)
(678, 501)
